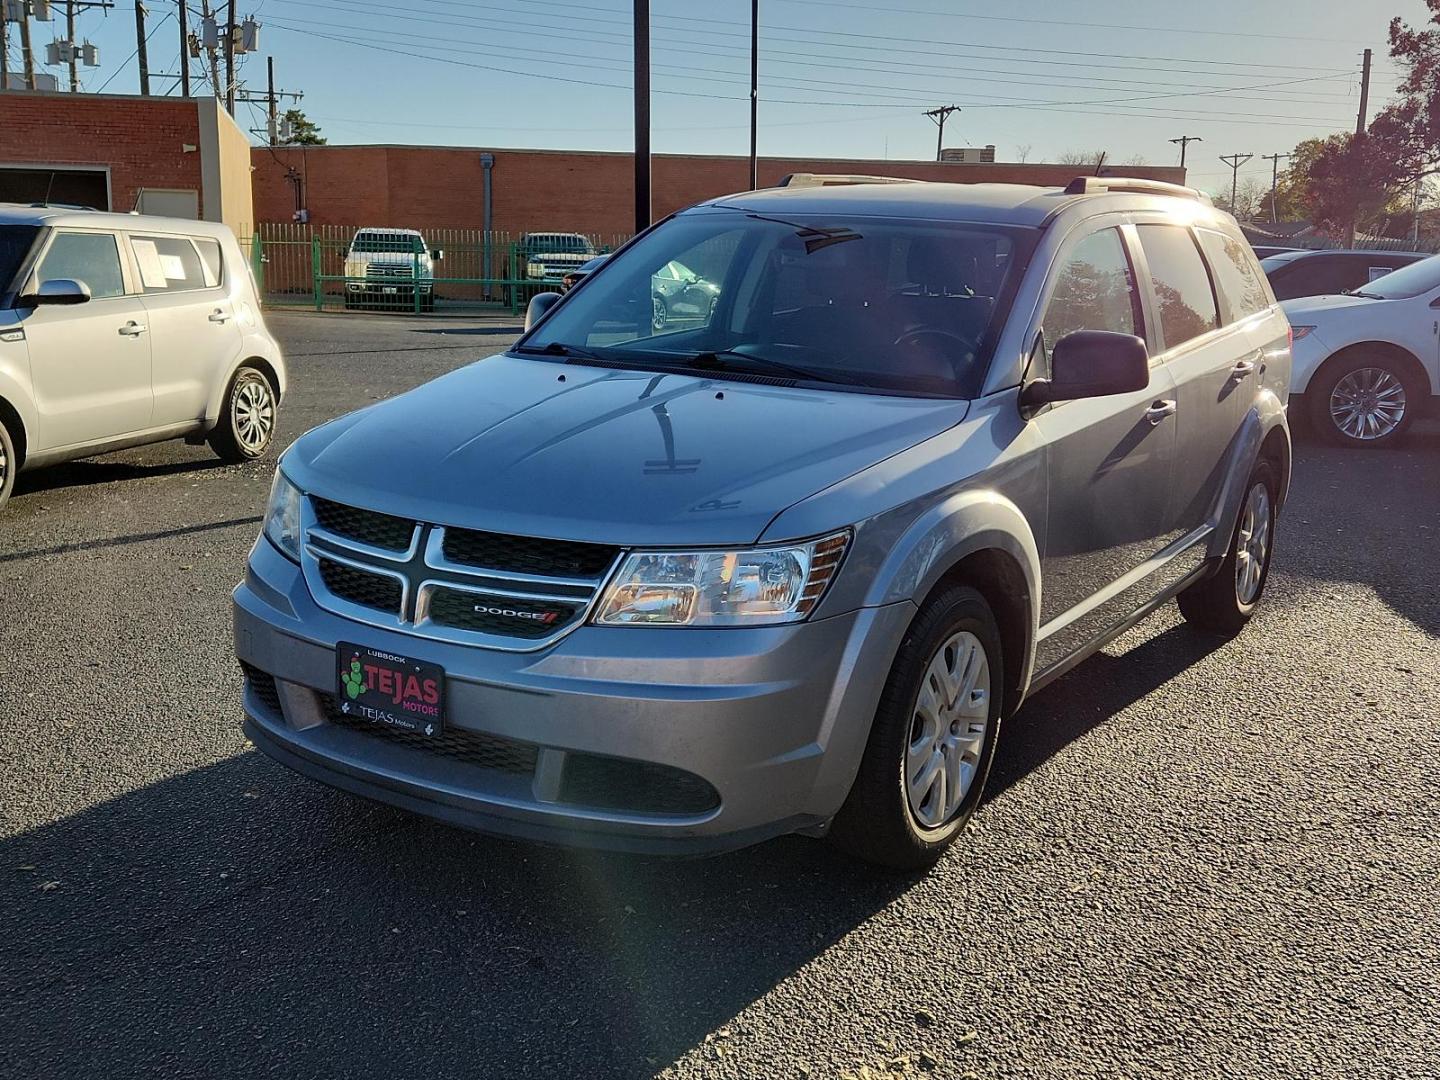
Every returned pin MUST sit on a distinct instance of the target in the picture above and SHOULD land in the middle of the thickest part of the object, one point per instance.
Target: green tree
(303, 130)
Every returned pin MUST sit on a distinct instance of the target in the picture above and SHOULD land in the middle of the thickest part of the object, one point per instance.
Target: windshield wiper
(722, 360)
(559, 348)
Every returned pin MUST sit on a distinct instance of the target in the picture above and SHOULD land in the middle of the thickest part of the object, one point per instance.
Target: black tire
(1215, 603)
(877, 822)
(9, 463)
(234, 439)
(1318, 396)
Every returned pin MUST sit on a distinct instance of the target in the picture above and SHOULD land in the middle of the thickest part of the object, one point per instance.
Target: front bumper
(774, 720)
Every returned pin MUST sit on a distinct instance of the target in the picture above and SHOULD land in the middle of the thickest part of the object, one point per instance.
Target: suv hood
(621, 457)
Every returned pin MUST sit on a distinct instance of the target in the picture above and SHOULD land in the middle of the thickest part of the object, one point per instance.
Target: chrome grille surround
(423, 572)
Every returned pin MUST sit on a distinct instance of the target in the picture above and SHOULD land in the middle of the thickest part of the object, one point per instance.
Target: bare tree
(1091, 158)
(1250, 196)
(1022, 153)
(1135, 159)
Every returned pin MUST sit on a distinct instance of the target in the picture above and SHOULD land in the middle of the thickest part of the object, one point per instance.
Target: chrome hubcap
(947, 730)
(1252, 544)
(1368, 403)
(254, 414)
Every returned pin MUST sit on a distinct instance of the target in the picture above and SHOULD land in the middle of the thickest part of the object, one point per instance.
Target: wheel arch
(1412, 364)
(15, 425)
(998, 577)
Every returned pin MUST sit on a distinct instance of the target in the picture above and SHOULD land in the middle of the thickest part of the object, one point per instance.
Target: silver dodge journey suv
(786, 565)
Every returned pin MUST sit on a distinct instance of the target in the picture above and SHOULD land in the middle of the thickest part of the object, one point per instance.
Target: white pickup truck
(385, 267)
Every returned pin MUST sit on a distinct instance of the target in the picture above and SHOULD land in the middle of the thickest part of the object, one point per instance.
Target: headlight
(282, 516)
(754, 587)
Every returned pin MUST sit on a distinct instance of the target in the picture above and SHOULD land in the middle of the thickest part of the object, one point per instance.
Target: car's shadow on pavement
(88, 472)
(414, 949)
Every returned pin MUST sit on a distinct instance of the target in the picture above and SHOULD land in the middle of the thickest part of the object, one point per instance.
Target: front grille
(362, 587)
(262, 685)
(527, 554)
(367, 526)
(389, 272)
(639, 786)
(472, 747)
(507, 615)
(429, 579)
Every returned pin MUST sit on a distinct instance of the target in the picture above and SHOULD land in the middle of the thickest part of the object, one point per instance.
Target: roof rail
(60, 206)
(806, 179)
(1097, 185)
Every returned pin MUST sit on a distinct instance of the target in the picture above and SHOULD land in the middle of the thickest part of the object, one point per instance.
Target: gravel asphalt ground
(1196, 859)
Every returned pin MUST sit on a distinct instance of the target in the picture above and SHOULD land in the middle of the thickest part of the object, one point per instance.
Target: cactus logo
(353, 680)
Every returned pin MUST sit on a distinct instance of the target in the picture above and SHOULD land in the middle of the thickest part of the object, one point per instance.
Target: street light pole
(754, 92)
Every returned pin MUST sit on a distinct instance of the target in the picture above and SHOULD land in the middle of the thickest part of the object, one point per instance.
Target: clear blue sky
(838, 77)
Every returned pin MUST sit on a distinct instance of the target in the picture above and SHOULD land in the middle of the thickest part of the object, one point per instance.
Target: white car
(118, 330)
(1367, 363)
(388, 267)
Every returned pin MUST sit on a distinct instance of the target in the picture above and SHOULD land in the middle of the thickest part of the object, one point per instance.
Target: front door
(193, 332)
(1110, 459)
(90, 362)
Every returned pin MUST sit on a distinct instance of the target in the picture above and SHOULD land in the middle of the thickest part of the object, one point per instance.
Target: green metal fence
(454, 271)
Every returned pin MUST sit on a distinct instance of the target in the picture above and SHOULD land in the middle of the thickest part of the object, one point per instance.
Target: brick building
(179, 156)
(426, 187)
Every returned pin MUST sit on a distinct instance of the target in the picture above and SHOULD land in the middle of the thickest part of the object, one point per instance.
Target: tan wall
(226, 167)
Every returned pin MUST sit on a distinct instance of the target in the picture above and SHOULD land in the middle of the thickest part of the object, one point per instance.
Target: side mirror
(1091, 363)
(437, 254)
(540, 303)
(57, 291)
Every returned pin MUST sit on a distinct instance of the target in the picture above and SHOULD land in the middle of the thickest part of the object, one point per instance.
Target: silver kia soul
(786, 564)
(118, 330)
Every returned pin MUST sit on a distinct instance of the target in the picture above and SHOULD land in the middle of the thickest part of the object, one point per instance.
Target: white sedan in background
(1368, 362)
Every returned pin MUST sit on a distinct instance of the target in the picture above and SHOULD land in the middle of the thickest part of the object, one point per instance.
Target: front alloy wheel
(947, 730)
(1368, 404)
(660, 315)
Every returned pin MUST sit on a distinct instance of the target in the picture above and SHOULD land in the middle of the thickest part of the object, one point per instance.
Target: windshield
(15, 241)
(1413, 280)
(875, 303)
(377, 242)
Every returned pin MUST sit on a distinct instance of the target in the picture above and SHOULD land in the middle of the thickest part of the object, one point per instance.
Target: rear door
(90, 362)
(194, 337)
(1208, 361)
(1110, 459)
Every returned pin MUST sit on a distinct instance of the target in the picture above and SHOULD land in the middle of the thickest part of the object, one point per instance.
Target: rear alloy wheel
(933, 737)
(9, 464)
(1223, 602)
(1363, 402)
(247, 420)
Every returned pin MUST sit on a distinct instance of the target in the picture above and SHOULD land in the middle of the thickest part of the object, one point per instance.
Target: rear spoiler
(1121, 185)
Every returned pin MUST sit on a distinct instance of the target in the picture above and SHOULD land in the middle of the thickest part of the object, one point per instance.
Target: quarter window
(167, 264)
(1095, 291)
(1237, 279)
(210, 260)
(1182, 284)
(90, 258)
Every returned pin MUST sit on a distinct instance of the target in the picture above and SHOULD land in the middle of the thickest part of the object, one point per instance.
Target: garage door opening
(70, 187)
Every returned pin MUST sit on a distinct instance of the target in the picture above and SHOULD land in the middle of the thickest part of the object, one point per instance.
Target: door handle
(133, 329)
(218, 316)
(1243, 370)
(1158, 411)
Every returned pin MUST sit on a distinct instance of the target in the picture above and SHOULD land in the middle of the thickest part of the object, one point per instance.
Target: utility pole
(1185, 141)
(642, 114)
(1274, 160)
(140, 55)
(1235, 161)
(70, 35)
(1364, 94)
(206, 15)
(184, 7)
(940, 114)
(27, 54)
(4, 50)
(273, 126)
(230, 57)
(754, 92)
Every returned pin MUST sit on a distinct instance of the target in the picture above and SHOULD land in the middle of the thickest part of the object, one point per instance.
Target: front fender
(15, 381)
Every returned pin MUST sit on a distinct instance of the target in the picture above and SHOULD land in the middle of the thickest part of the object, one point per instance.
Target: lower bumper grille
(262, 685)
(471, 747)
(638, 786)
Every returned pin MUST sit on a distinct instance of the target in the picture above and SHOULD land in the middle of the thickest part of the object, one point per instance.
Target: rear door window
(167, 264)
(1183, 292)
(91, 258)
(1237, 277)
